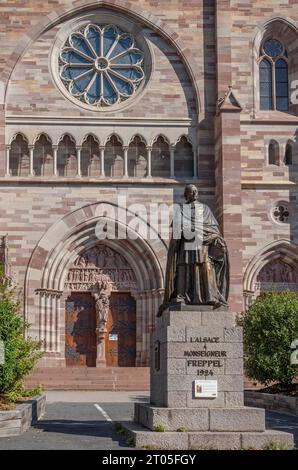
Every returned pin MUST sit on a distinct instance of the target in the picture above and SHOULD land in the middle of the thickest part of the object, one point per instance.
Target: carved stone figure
(197, 270)
(102, 302)
(277, 271)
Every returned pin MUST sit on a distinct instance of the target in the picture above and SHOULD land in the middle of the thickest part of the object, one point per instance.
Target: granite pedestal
(199, 344)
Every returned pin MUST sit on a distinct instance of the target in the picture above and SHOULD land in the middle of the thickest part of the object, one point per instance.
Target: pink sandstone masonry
(202, 86)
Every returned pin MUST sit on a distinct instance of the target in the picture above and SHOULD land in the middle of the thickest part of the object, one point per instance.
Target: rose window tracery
(101, 65)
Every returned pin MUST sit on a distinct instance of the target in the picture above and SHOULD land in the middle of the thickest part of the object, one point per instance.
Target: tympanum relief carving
(100, 260)
(277, 276)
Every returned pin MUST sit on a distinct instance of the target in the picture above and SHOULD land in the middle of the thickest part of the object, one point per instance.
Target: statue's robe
(198, 276)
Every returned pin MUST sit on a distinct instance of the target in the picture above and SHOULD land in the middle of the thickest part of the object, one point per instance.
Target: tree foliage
(21, 352)
(270, 325)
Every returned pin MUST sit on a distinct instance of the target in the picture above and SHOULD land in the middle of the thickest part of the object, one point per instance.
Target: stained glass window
(273, 48)
(281, 85)
(101, 65)
(266, 84)
(273, 70)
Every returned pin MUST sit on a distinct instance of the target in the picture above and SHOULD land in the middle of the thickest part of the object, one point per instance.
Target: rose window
(101, 65)
(281, 213)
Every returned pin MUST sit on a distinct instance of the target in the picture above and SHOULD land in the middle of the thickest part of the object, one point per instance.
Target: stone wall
(199, 50)
(277, 402)
(19, 420)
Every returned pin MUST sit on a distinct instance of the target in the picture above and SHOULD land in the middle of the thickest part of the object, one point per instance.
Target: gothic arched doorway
(275, 268)
(100, 313)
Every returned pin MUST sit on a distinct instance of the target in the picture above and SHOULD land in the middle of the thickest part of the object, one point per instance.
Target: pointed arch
(114, 135)
(282, 249)
(161, 165)
(114, 156)
(67, 156)
(183, 136)
(19, 160)
(140, 137)
(43, 155)
(60, 246)
(146, 18)
(163, 136)
(68, 135)
(137, 157)
(184, 158)
(90, 134)
(284, 30)
(42, 134)
(90, 156)
(19, 134)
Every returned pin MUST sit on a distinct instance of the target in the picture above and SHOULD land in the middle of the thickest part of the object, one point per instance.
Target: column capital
(49, 292)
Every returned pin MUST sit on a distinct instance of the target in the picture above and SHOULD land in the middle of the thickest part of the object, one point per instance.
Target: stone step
(143, 438)
(201, 419)
(91, 378)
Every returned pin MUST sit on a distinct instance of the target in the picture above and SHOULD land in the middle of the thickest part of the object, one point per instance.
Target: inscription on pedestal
(206, 363)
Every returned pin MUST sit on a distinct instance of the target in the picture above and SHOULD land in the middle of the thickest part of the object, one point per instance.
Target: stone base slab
(200, 419)
(206, 440)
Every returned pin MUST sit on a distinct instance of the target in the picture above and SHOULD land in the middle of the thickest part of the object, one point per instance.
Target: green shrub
(159, 428)
(277, 446)
(270, 325)
(21, 353)
(182, 429)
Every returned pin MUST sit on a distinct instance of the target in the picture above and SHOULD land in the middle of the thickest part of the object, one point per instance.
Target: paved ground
(81, 420)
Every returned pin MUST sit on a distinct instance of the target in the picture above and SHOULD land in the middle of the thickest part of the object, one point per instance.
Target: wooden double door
(80, 331)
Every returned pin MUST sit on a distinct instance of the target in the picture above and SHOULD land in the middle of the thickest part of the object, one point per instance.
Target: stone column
(125, 149)
(195, 161)
(79, 171)
(47, 321)
(149, 162)
(31, 153)
(229, 192)
(102, 160)
(49, 304)
(55, 159)
(7, 171)
(41, 319)
(228, 156)
(172, 161)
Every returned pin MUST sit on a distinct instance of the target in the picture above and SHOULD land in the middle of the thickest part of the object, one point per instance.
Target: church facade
(115, 100)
